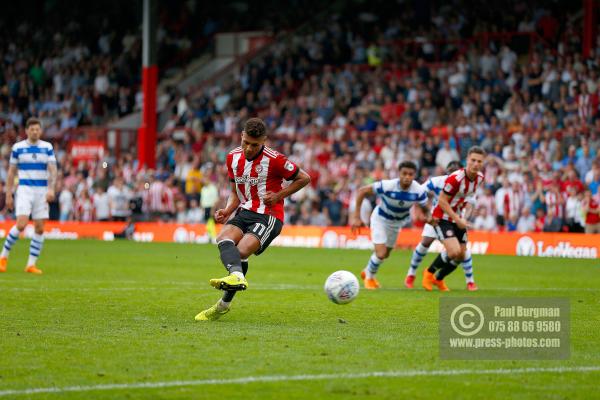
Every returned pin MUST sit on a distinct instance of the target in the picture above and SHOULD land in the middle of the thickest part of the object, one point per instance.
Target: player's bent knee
(246, 251)
(455, 255)
(382, 254)
(426, 242)
(228, 233)
(39, 227)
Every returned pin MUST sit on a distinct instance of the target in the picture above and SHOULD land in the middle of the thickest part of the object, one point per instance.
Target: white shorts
(34, 204)
(429, 231)
(384, 232)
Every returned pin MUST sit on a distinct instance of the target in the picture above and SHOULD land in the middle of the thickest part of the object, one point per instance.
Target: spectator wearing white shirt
(484, 221)
(101, 82)
(488, 63)
(573, 214)
(119, 196)
(500, 202)
(101, 204)
(508, 59)
(445, 155)
(195, 215)
(526, 221)
(65, 201)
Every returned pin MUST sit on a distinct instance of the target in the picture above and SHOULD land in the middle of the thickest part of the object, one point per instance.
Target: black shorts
(264, 227)
(446, 230)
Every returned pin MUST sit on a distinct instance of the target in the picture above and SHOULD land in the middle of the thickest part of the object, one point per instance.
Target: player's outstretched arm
(363, 192)
(233, 202)
(302, 179)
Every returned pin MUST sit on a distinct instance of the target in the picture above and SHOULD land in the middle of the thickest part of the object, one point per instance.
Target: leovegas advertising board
(530, 244)
(144, 232)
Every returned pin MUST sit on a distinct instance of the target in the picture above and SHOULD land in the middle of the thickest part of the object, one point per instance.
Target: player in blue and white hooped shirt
(434, 186)
(396, 196)
(33, 161)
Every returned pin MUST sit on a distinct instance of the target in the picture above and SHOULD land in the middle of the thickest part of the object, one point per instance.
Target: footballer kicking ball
(341, 287)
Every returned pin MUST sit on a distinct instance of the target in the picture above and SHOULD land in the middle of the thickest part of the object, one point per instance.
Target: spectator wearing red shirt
(592, 213)
(540, 220)
(572, 180)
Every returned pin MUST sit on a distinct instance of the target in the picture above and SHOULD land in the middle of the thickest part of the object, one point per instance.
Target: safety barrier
(526, 244)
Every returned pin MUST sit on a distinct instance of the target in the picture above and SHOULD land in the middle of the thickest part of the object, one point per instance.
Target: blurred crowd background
(347, 97)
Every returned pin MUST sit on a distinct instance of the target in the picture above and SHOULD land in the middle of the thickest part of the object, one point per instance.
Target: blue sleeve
(51, 156)
(378, 188)
(429, 185)
(14, 157)
(422, 199)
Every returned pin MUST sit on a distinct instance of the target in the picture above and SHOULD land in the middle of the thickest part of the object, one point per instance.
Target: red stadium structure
(147, 130)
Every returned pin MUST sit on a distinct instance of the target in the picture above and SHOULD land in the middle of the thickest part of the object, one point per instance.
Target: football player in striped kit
(33, 161)
(450, 225)
(434, 186)
(396, 196)
(257, 173)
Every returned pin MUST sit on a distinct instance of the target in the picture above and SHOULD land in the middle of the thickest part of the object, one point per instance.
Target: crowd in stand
(81, 66)
(345, 109)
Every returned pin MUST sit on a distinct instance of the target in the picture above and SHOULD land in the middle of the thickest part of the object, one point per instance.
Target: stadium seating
(348, 102)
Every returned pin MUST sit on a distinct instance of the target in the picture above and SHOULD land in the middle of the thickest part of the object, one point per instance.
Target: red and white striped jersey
(459, 188)
(556, 202)
(156, 193)
(584, 106)
(84, 210)
(513, 203)
(168, 200)
(254, 178)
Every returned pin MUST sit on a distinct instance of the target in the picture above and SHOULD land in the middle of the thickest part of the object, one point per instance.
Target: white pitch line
(295, 378)
(264, 286)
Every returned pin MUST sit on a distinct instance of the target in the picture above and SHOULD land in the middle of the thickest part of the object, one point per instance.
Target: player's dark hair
(33, 121)
(255, 127)
(453, 166)
(407, 164)
(476, 150)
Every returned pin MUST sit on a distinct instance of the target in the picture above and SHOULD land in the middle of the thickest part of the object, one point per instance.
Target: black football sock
(445, 270)
(230, 256)
(436, 264)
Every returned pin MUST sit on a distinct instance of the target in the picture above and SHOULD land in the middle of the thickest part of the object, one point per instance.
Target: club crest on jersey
(449, 232)
(34, 156)
(258, 169)
(448, 188)
(244, 179)
(289, 166)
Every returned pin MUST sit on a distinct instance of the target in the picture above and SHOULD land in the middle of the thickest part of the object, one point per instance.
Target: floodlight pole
(147, 130)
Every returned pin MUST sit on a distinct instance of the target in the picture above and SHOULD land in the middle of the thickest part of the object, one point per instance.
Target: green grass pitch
(116, 320)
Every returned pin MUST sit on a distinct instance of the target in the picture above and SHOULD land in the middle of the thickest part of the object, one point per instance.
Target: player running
(450, 227)
(434, 186)
(392, 213)
(34, 162)
(256, 173)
